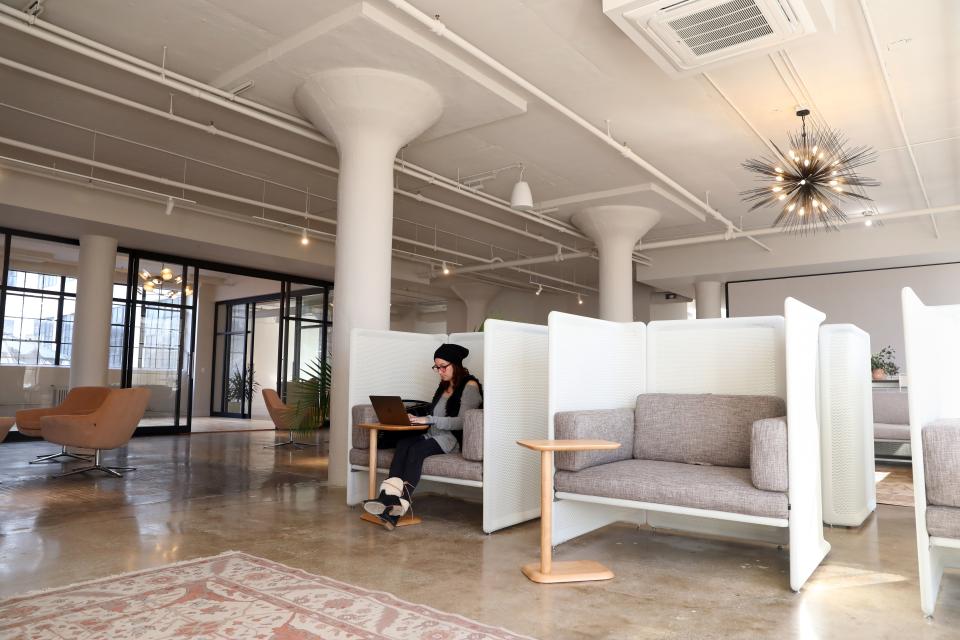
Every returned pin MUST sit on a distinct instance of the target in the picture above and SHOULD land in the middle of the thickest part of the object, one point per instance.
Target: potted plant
(241, 386)
(309, 399)
(883, 364)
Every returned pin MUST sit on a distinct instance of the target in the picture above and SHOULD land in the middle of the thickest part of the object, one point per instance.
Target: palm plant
(309, 398)
(241, 386)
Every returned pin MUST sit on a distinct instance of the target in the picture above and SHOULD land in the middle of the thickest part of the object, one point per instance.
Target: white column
(369, 114)
(456, 316)
(709, 298)
(616, 229)
(90, 354)
(476, 296)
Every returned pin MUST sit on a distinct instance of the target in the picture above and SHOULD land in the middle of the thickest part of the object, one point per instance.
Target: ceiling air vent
(684, 36)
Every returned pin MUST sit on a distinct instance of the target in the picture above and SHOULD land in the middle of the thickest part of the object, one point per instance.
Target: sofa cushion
(446, 465)
(700, 428)
(890, 407)
(943, 522)
(362, 414)
(896, 432)
(941, 462)
(472, 448)
(726, 489)
(768, 455)
(600, 424)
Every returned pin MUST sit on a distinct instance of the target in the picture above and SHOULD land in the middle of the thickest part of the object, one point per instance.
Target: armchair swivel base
(97, 466)
(52, 457)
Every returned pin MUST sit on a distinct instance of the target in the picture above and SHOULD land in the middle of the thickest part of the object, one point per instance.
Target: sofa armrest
(616, 425)
(941, 462)
(362, 414)
(768, 455)
(473, 435)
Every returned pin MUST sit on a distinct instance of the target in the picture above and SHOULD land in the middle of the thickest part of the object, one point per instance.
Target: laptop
(391, 410)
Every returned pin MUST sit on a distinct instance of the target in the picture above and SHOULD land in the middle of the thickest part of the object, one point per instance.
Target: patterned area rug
(895, 485)
(233, 595)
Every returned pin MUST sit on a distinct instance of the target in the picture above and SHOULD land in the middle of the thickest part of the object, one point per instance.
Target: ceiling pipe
(441, 30)
(293, 124)
(767, 231)
(503, 264)
(896, 109)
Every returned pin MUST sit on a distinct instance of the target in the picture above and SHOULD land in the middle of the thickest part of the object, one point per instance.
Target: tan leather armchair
(110, 426)
(280, 414)
(5, 425)
(79, 401)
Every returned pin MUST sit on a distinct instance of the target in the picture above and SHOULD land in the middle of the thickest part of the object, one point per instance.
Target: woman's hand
(416, 419)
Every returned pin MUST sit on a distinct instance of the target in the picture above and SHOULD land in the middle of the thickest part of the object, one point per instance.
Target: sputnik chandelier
(812, 180)
(155, 284)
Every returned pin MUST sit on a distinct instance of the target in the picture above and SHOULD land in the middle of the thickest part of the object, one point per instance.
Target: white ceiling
(567, 48)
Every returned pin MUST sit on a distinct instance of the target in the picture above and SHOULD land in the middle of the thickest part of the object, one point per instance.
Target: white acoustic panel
(737, 356)
(932, 346)
(846, 425)
(474, 342)
(515, 408)
(807, 544)
(594, 364)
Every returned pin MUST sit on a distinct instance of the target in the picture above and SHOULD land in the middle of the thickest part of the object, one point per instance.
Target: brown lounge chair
(280, 414)
(79, 401)
(110, 426)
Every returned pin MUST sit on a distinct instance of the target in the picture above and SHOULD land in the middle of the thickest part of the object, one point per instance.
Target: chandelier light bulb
(776, 189)
(779, 178)
(814, 148)
(188, 290)
(803, 181)
(791, 207)
(806, 162)
(868, 223)
(783, 196)
(157, 281)
(801, 212)
(779, 170)
(145, 274)
(148, 285)
(166, 273)
(178, 279)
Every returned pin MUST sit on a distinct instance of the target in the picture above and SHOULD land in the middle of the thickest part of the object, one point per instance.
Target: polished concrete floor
(203, 494)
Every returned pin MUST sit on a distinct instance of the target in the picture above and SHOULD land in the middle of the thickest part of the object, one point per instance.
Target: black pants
(408, 459)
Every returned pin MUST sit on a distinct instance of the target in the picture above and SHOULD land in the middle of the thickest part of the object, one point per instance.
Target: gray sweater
(443, 424)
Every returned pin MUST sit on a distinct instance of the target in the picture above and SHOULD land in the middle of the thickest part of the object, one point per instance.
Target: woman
(457, 393)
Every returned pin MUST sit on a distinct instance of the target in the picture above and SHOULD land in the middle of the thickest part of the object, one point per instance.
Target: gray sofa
(702, 452)
(463, 467)
(891, 417)
(941, 471)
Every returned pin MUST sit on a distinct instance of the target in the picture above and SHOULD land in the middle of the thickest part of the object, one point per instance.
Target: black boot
(378, 505)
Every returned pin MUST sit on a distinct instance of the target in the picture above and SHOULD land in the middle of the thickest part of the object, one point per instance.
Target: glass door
(233, 360)
(159, 340)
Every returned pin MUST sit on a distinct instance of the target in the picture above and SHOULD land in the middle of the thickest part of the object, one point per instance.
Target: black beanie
(452, 353)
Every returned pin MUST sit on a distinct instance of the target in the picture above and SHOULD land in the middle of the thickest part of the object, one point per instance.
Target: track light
(521, 198)
(303, 237)
(445, 269)
(579, 299)
(539, 290)
(169, 208)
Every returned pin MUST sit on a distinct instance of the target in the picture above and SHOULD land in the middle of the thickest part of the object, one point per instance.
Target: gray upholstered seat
(943, 522)
(891, 416)
(727, 489)
(447, 465)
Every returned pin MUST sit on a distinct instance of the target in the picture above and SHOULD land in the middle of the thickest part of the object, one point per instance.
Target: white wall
(868, 299)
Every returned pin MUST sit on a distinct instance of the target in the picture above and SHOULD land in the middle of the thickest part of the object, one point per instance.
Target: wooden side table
(547, 571)
(375, 428)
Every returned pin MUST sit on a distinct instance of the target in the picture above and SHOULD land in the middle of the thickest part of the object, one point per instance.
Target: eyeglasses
(440, 367)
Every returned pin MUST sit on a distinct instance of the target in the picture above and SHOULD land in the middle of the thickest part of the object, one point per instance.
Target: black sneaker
(389, 521)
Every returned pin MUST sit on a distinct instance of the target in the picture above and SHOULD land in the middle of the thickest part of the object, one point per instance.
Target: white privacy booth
(932, 341)
(600, 365)
(510, 359)
(846, 425)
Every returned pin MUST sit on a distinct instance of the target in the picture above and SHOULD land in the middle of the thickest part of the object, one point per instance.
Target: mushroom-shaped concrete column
(369, 114)
(477, 297)
(616, 229)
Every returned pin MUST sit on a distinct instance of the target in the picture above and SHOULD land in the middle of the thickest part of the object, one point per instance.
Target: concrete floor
(203, 494)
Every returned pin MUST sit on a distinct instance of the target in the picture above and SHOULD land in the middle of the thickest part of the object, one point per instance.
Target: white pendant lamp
(521, 198)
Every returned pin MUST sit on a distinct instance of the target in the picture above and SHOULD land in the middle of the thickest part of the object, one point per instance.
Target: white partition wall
(735, 356)
(474, 342)
(387, 363)
(932, 341)
(807, 544)
(514, 408)
(594, 364)
(846, 425)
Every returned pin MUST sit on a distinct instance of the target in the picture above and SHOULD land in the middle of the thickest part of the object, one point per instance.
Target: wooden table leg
(406, 520)
(547, 571)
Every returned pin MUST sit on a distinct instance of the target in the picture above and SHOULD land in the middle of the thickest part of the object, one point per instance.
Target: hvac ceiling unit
(685, 36)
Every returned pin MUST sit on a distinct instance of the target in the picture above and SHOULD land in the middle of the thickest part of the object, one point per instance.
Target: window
(38, 319)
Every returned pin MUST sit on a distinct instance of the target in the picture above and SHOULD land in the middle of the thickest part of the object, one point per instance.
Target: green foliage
(309, 398)
(241, 386)
(884, 359)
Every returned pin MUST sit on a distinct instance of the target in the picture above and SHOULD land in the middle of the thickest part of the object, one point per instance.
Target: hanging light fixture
(521, 198)
(539, 290)
(579, 299)
(445, 269)
(303, 237)
(811, 180)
